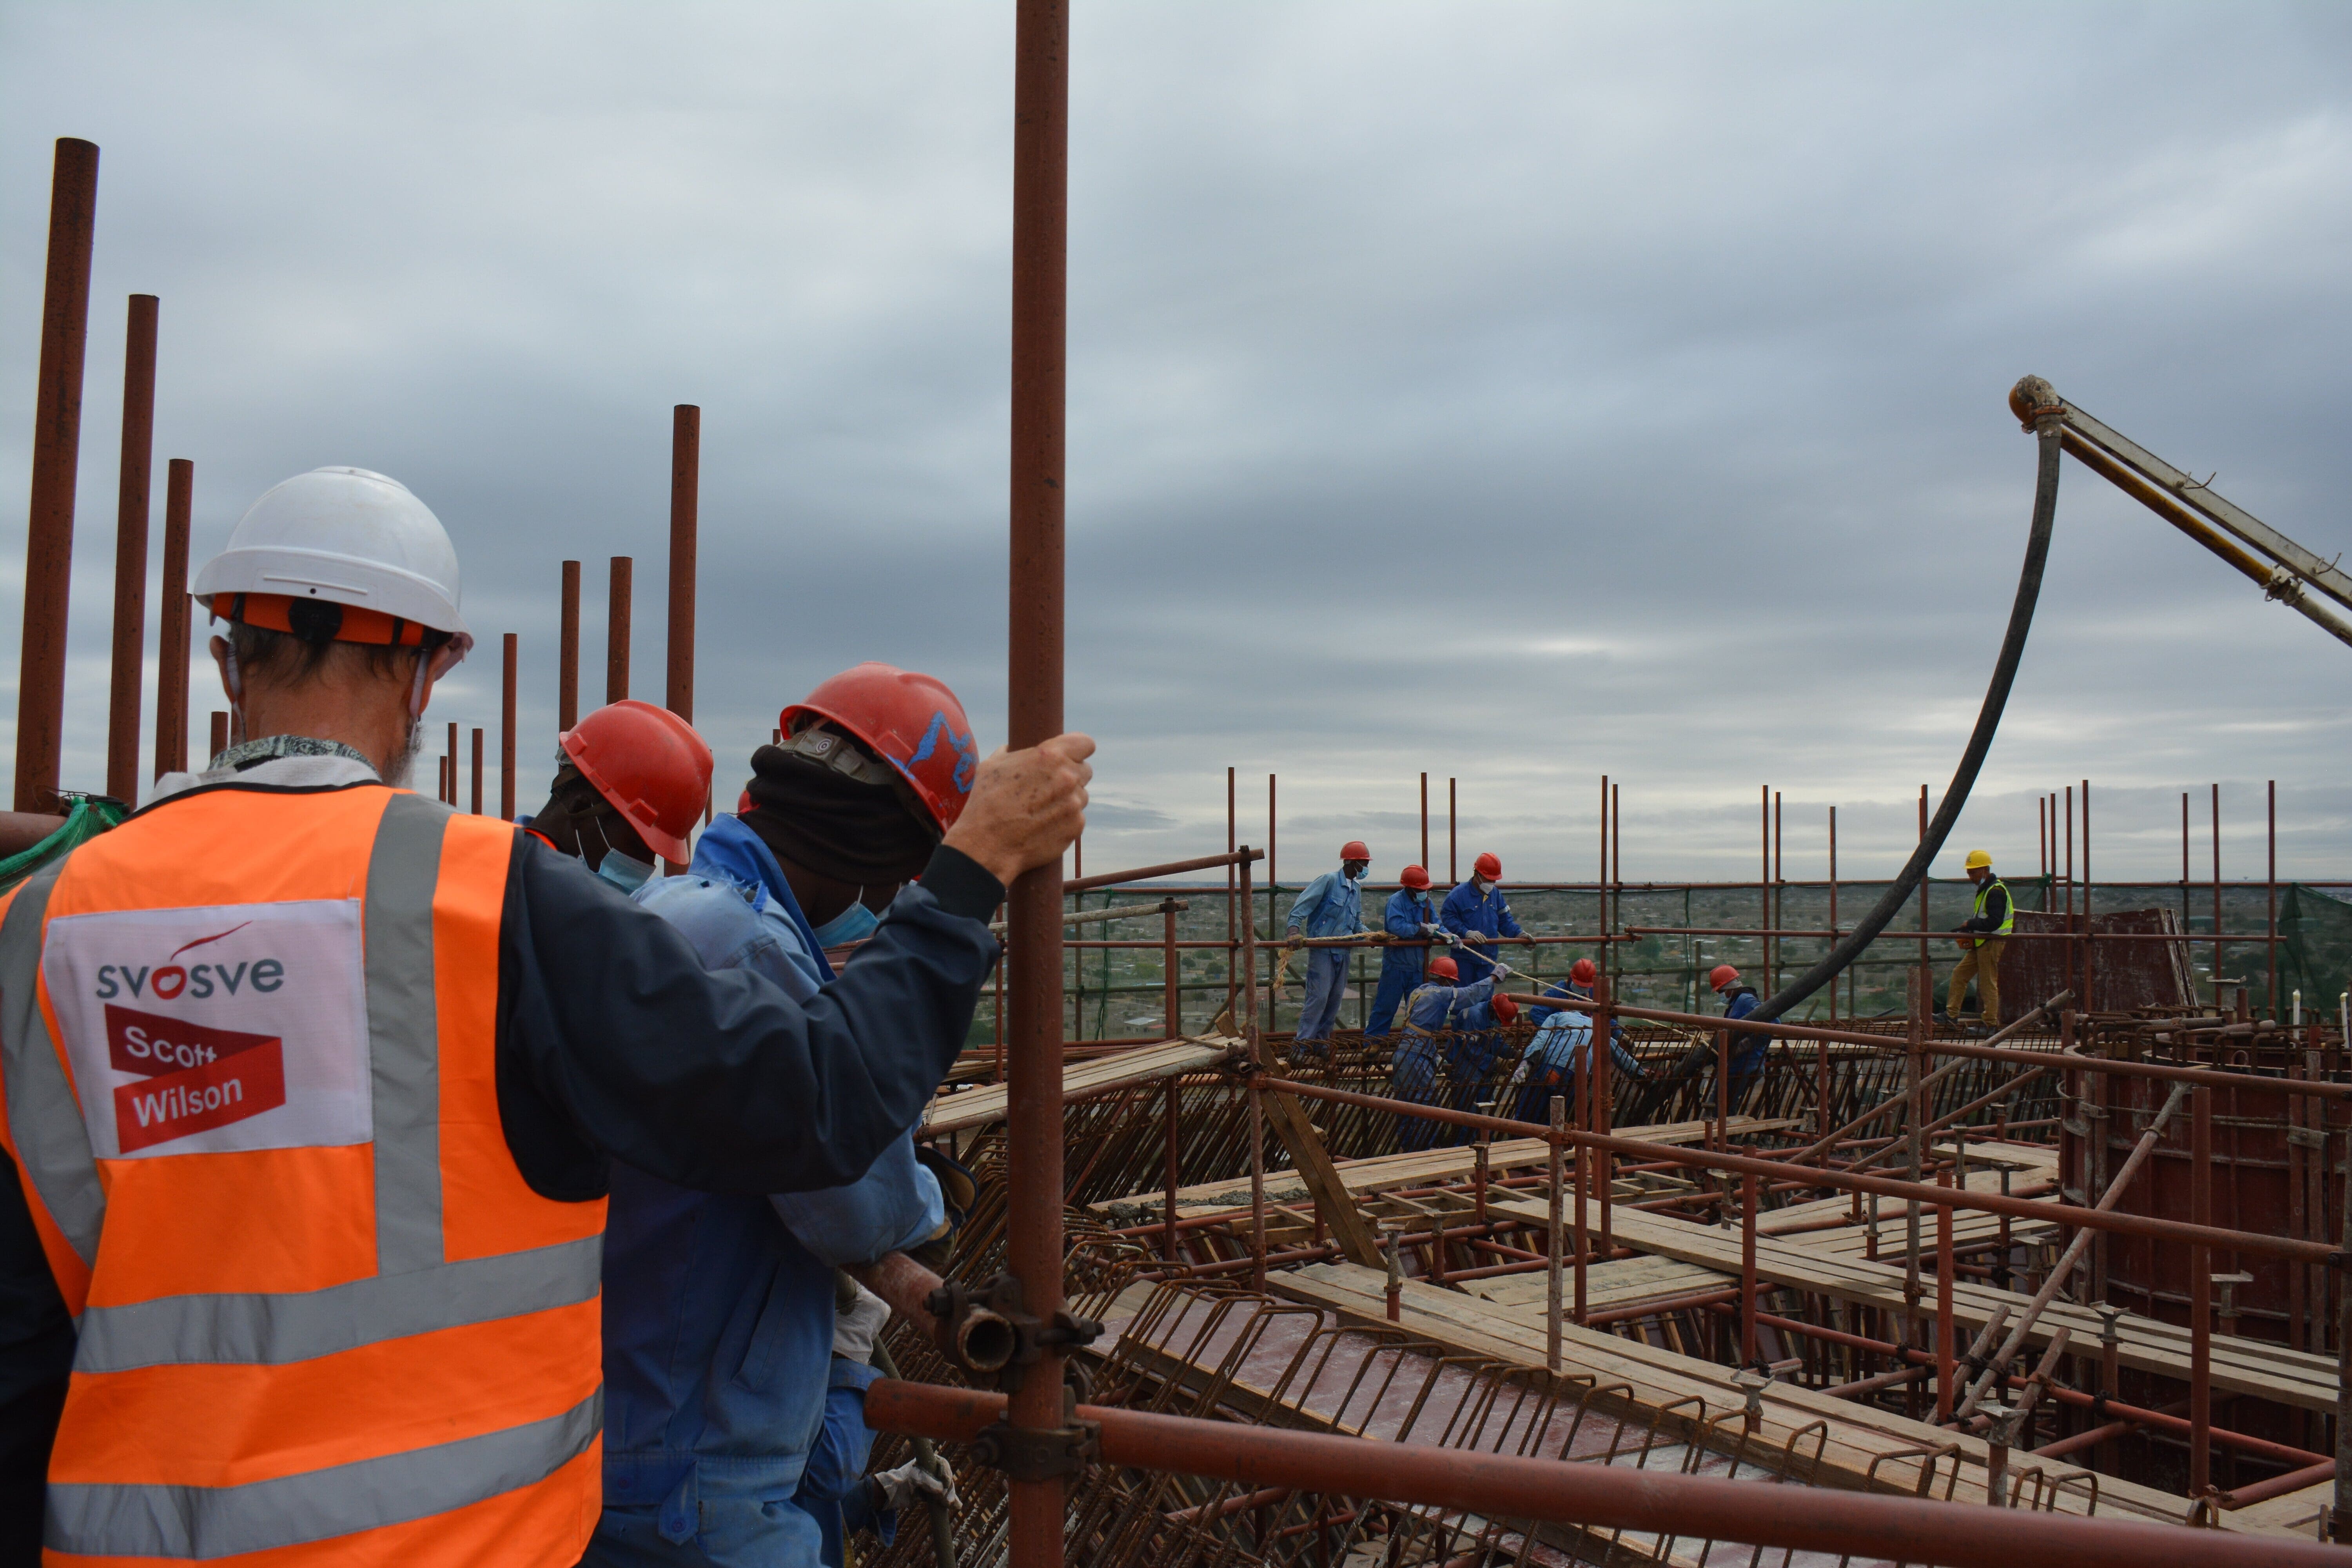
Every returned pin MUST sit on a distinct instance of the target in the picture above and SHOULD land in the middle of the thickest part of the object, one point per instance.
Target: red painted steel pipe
(2279, 1486)
(20, 830)
(1885, 1187)
(1144, 873)
(136, 484)
(685, 510)
(172, 618)
(57, 458)
(506, 728)
(567, 651)
(1891, 1044)
(1041, 156)
(1805, 1519)
(618, 593)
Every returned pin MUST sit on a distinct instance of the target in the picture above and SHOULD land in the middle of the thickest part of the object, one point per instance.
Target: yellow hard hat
(1978, 859)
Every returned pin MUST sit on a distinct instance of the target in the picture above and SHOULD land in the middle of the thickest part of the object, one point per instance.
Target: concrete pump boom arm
(2283, 569)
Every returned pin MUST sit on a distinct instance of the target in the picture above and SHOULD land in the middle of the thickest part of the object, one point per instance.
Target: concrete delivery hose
(2037, 395)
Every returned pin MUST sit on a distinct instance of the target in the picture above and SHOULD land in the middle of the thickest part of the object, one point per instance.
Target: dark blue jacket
(719, 1309)
(1468, 909)
(1748, 1047)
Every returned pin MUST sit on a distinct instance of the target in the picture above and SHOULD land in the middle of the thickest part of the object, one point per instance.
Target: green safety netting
(2316, 947)
(92, 815)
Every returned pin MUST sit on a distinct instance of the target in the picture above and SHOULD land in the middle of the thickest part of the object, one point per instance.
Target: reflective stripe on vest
(504, 1403)
(2007, 921)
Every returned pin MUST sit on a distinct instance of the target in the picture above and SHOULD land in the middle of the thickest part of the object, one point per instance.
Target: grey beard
(403, 761)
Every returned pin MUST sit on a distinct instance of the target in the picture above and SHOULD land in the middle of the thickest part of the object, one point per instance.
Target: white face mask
(622, 872)
(1484, 885)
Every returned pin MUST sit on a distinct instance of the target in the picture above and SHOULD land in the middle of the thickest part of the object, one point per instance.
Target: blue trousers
(1401, 971)
(1327, 982)
(1412, 1076)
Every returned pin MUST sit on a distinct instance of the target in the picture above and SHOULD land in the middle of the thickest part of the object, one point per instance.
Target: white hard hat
(347, 537)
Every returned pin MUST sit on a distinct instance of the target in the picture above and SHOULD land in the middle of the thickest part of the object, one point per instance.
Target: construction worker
(1559, 1053)
(1748, 1047)
(1446, 1021)
(1331, 905)
(1992, 918)
(720, 1309)
(408, 1045)
(836, 1490)
(1410, 920)
(1477, 912)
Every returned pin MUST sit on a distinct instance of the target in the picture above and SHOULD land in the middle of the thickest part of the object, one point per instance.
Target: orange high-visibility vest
(247, 1065)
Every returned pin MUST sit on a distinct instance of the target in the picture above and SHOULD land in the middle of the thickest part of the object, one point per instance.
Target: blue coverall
(1434, 1010)
(1409, 909)
(1468, 909)
(1330, 905)
(1746, 1048)
(835, 1490)
(719, 1309)
(1561, 1051)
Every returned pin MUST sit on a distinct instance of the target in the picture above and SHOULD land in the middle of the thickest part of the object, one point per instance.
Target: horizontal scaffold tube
(1610, 1496)
(1894, 1044)
(1931, 1196)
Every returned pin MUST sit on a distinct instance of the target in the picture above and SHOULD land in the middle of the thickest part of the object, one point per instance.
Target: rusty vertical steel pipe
(1946, 1362)
(1040, 151)
(507, 729)
(685, 508)
(1453, 835)
(478, 770)
(135, 487)
(567, 651)
(1555, 1238)
(1747, 1196)
(57, 458)
(172, 616)
(219, 736)
(1424, 821)
(1600, 1104)
(617, 629)
(2201, 1291)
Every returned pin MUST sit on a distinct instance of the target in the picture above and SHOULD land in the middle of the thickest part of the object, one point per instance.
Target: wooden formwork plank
(1382, 1173)
(1313, 1163)
(1146, 1064)
(2241, 1365)
(1659, 1378)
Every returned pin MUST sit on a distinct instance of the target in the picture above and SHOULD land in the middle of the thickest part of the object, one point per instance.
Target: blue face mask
(854, 924)
(622, 872)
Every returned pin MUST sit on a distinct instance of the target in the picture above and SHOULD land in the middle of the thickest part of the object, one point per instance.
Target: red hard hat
(1443, 968)
(1354, 850)
(1721, 975)
(1504, 1008)
(911, 721)
(1487, 866)
(1414, 876)
(650, 764)
(1582, 972)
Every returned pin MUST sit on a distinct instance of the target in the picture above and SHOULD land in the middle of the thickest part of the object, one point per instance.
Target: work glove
(856, 1320)
(910, 1484)
(1477, 936)
(1501, 969)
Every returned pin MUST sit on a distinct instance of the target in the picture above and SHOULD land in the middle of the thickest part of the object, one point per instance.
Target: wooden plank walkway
(2245, 1366)
(1145, 1064)
(1654, 1378)
(1383, 1172)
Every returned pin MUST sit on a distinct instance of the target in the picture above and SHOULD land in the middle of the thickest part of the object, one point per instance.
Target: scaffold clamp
(1041, 1453)
(999, 1297)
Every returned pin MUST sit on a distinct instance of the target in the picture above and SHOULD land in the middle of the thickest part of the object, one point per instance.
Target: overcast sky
(1519, 393)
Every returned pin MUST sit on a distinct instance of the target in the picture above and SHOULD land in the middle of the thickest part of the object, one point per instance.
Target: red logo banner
(197, 1077)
